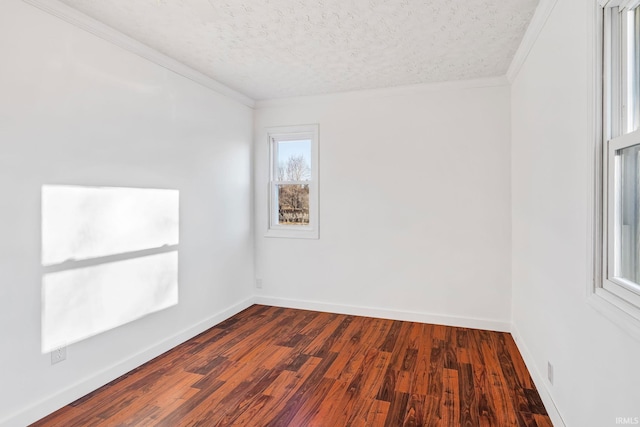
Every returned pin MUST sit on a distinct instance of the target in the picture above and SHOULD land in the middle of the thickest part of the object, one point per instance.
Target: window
(293, 183)
(620, 204)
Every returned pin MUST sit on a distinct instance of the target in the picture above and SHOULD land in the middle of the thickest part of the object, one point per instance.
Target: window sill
(613, 308)
(290, 233)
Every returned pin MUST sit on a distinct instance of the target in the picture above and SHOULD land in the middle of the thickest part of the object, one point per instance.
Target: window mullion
(292, 182)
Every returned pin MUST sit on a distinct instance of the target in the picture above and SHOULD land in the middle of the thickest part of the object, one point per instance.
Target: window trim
(610, 297)
(619, 286)
(290, 133)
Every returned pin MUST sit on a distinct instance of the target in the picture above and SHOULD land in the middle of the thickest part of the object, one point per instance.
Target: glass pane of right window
(628, 215)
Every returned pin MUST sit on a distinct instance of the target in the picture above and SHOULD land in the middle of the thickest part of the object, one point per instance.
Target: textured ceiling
(279, 48)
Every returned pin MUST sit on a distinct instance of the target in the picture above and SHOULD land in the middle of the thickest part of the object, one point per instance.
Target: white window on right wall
(293, 182)
(620, 270)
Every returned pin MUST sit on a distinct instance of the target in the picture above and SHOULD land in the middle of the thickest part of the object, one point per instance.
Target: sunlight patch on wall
(88, 222)
(83, 302)
(109, 255)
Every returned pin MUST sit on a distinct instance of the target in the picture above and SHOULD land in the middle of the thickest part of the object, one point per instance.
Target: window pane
(293, 204)
(629, 214)
(294, 160)
(632, 69)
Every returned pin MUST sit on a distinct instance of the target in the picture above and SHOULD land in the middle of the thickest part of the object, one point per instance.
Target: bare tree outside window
(293, 199)
(295, 168)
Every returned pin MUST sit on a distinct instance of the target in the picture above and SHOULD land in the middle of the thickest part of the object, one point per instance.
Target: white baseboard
(56, 401)
(538, 379)
(409, 316)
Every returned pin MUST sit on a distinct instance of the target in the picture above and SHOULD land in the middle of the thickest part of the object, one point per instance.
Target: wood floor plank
(60, 418)
(327, 336)
(335, 395)
(310, 405)
(378, 413)
(542, 420)
(184, 410)
(212, 408)
(450, 398)
(326, 343)
(417, 382)
(348, 336)
(370, 379)
(405, 382)
(391, 337)
(469, 409)
(173, 386)
(397, 410)
(362, 389)
(349, 364)
(292, 399)
(520, 368)
(435, 383)
(271, 366)
(352, 351)
(400, 348)
(496, 409)
(415, 411)
(236, 402)
(165, 409)
(519, 400)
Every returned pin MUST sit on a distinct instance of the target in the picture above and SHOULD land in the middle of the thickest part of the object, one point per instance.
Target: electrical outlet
(58, 355)
(259, 283)
(550, 372)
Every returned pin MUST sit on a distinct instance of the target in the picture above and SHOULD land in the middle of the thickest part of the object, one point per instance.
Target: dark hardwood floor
(270, 366)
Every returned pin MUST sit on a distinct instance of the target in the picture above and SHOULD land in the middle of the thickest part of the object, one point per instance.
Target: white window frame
(292, 133)
(619, 286)
(615, 297)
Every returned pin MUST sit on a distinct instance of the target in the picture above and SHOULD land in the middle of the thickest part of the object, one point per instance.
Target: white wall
(595, 362)
(75, 109)
(414, 205)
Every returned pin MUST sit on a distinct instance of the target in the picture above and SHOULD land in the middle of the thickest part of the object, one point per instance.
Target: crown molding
(97, 28)
(385, 92)
(539, 19)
